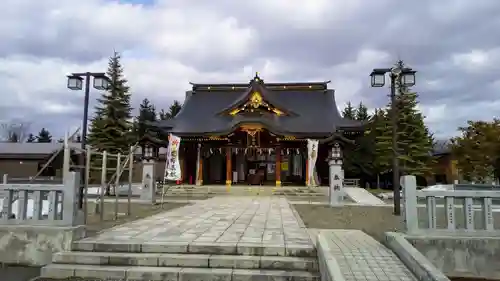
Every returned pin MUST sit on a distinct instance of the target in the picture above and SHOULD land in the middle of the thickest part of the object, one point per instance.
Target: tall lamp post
(400, 76)
(75, 83)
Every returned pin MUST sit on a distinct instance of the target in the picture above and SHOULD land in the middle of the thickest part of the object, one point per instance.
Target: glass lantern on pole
(75, 82)
(149, 151)
(408, 78)
(336, 153)
(101, 82)
(378, 77)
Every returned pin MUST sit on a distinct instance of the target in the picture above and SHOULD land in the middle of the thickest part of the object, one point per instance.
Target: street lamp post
(401, 76)
(75, 83)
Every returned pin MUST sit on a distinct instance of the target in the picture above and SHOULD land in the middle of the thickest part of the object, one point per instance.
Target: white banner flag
(173, 166)
(312, 156)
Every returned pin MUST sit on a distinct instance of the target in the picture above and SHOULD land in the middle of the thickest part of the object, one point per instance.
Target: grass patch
(376, 191)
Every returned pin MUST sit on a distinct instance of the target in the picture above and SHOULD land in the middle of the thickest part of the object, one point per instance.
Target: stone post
(71, 214)
(336, 178)
(148, 190)
(410, 203)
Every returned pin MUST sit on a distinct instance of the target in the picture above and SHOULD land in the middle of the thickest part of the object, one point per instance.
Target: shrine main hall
(256, 133)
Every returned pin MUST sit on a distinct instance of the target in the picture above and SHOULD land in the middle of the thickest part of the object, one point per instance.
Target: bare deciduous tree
(14, 131)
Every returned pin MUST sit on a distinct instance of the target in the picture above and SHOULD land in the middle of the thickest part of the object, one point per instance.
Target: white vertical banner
(312, 156)
(173, 166)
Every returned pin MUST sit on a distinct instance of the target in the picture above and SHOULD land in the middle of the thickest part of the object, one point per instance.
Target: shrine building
(256, 132)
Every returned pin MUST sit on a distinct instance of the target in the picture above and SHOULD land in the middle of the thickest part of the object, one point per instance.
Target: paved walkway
(361, 258)
(219, 220)
(363, 196)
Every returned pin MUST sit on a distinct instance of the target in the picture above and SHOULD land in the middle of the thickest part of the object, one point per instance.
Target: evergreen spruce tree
(110, 127)
(174, 109)
(358, 158)
(147, 113)
(349, 111)
(380, 137)
(415, 142)
(44, 136)
(362, 113)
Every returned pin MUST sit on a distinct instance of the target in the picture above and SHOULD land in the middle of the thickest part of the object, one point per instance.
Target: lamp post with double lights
(75, 83)
(400, 77)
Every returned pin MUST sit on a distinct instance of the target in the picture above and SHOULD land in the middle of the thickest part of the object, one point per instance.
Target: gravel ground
(375, 220)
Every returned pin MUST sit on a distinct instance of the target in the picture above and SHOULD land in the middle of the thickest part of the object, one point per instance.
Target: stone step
(208, 248)
(63, 271)
(187, 260)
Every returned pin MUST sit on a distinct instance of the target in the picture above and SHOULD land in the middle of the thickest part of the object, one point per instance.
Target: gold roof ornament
(256, 100)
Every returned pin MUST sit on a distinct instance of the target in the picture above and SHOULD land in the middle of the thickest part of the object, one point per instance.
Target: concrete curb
(297, 216)
(328, 267)
(418, 264)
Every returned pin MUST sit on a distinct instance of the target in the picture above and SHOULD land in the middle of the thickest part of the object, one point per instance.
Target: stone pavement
(362, 258)
(223, 239)
(261, 221)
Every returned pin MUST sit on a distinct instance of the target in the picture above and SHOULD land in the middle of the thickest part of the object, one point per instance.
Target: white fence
(459, 210)
(41, 204)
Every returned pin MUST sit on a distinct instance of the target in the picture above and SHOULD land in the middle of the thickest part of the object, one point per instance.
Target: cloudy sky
(453, 44)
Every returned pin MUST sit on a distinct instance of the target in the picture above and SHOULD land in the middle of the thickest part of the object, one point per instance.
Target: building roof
(307, 109)
(441, 147)
(34, 150)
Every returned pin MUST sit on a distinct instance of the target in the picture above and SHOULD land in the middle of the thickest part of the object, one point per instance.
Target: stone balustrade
(455, 211)
(41, 204)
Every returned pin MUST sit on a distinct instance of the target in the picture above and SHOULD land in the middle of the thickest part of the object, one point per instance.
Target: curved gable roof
(315, 110)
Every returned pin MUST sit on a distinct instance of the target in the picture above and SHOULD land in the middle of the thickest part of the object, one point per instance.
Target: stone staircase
(175, 261)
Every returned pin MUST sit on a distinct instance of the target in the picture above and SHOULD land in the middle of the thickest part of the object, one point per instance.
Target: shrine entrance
(256, 156)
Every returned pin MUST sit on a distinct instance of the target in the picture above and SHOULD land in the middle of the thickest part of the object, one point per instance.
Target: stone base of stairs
(178, 261)
(146, 273)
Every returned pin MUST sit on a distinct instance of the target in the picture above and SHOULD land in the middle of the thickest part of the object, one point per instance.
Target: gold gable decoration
(255, 102)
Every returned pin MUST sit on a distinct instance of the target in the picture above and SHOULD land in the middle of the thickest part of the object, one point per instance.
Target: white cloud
(167, 45)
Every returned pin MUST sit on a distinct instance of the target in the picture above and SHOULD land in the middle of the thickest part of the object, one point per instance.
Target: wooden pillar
(277, 170)
(229, 171)
(182, 162)
(307, 170)
(199, 171)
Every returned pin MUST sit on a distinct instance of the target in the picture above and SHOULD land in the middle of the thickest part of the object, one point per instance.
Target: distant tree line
(477, 151)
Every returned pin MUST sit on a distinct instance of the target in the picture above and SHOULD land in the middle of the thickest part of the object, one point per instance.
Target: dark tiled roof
(314, 111)
(31, 148)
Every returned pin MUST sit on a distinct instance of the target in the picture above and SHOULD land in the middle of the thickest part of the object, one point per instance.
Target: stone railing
(351, 183)
(449, 211)
(41, 204)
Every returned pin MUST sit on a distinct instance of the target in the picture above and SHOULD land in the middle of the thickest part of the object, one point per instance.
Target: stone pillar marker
(148, 185)
(336, 178)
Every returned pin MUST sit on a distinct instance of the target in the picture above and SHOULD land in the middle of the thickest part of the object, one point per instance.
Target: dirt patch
(374, 220)
(138, 211)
